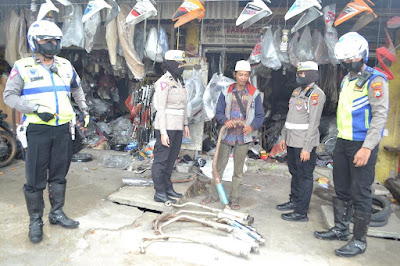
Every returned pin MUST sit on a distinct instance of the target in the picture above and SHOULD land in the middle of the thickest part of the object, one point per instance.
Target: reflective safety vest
(43, 87)
(354, 111)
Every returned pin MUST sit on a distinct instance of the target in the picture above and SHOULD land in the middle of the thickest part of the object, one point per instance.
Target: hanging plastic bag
(304, 50)
(321, 55)
(112, 41)
(153, 49)
(217, 84)
(269, 55)
(125, 34)
(283, 57)
(72, 29)
(10, 27)
(329, 12)
(195, 89)
(22, 39)
(139, 42)
(292, 50)
(331, 38)
(90, 28)
(255, 56)
(163, 41)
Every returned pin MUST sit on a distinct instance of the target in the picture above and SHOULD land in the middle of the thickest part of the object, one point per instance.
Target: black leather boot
(358, 244)
(162, 197)
(35, 205)
(57, 199)
(172, 193)
(290, 205)
(342, 211)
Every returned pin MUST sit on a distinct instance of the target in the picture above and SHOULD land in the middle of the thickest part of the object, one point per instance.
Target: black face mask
(310, 77)
(301, 81)
(172, 67)
(353, 66)
(49, 49)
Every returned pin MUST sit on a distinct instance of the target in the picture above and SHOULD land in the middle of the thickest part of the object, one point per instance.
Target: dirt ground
(110, 233)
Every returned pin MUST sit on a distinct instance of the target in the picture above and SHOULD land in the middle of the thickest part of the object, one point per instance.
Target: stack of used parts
(139, 104)
(354, 8)
(241, 240)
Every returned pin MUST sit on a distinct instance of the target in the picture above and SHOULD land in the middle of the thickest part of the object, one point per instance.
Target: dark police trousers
(353, 183)
(48, 155)
(164, 159)
(302, 178)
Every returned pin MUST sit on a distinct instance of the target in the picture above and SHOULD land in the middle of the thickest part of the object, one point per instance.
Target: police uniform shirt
(303, 118)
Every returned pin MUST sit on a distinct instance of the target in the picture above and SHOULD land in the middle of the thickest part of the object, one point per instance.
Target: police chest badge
(34, 74)
(377, 87)
(314, 99)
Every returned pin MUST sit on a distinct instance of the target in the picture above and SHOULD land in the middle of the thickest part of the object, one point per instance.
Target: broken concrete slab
(142, 197)
(109, 216)
(391, 230)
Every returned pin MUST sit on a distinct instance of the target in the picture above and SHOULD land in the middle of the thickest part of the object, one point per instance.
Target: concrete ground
(110, 234)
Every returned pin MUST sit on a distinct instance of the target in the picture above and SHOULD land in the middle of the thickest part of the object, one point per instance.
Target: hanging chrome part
(137, 182)
(247, 229)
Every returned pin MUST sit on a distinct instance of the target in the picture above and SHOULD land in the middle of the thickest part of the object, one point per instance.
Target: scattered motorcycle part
(82, 157)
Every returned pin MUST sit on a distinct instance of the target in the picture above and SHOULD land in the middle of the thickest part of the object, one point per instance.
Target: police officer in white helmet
(361, 117)
(40, 87)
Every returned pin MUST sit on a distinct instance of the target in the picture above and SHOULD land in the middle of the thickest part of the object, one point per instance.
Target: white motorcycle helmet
(350, 46)
(44, 30)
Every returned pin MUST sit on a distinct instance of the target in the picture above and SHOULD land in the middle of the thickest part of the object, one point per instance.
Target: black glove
(44, 113)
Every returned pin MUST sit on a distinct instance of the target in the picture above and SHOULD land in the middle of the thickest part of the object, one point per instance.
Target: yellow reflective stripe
(366, 118)
(65, 110)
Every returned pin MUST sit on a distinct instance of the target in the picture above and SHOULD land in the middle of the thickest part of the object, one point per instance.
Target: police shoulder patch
(13, 73)
(164, 85)
(377, 91)
(314, 98)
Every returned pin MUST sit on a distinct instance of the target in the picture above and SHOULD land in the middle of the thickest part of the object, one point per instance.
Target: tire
(379, 217)
(384, 211)
(11, 143)
(378, 224)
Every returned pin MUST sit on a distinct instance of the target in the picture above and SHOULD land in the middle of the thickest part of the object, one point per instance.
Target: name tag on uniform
(34, 75)
(358, 89)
